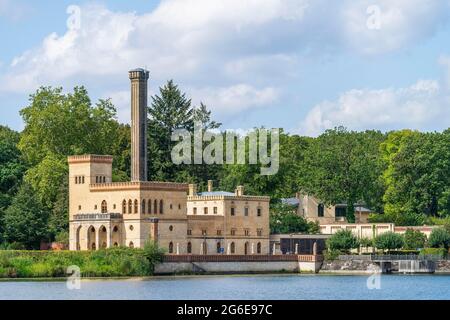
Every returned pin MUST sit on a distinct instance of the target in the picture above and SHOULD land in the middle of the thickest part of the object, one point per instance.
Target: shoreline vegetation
(116, 262)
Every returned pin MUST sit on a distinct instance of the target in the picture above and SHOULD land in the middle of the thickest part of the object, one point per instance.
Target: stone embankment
(349, 266)
(442, 266)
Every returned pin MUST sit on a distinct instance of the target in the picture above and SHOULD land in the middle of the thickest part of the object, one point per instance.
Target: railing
(97, 216)
(392, 257)
(240, 258)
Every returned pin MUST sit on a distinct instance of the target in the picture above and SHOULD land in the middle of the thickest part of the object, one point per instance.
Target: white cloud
(13, 10)
(235, 99)
(233, 54)
(401, 22)
(420, 106)
(192, 39)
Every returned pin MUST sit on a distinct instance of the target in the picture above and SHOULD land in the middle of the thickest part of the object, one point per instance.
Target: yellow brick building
(104, 214)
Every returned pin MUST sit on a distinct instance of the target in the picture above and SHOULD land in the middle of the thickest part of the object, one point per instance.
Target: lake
(260, 287)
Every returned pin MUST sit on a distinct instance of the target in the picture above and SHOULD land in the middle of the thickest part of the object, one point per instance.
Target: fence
(241, 258)
(392, 257)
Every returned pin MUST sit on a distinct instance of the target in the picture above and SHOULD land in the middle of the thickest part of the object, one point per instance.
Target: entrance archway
(91, 245)
(102, 236)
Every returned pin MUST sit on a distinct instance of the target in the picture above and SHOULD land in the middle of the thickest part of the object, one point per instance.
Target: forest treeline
(404, 175)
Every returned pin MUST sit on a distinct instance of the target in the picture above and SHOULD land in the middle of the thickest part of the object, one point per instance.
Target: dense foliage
(284, 219)
(404, 176)
(389, 241)
(102, 263)
(414, 239)
(342, 241)
(439, 238)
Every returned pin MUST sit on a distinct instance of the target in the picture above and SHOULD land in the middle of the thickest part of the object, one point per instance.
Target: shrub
(366, 242)
(153, 254)
(440, 252)
(101, 263)
(439, 238)
(63, 238)
(331, 255)
(343, 241)
(414, 239)
(389, 241)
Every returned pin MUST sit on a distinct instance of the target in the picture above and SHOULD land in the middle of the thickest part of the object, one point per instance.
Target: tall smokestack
(139, 79)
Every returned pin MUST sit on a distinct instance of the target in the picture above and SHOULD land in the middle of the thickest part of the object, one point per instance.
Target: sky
(301, 65)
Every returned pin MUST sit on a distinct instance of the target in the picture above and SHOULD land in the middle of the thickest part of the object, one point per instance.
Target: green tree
(170, 110)
(284, 184)
(25, 221)
(58, 221)
(342, 241)
(389, 241)
(202, 116)
(58, 125)
(66, 124)
(344, 166)
(417, 176)
(11, 164)
(439, 238)
(414, 239)
(284, 219)
(12, 169)
(153, 253)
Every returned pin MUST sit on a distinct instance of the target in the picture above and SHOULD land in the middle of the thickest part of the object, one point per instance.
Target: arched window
(161, 207)
(116, 244)
(258, 248)
(76, 180)
(155, 207)
(136, 206)
(124, 206)
(233, 248)
(82, 179)
(131, 245)
(320, 210)
(130, 206)
(116, 229)
(219, 247)
(149, 207)
(189, 247)
(104, 179)
(246, 251)
(171, 247)
(104, 207)
(143, 207)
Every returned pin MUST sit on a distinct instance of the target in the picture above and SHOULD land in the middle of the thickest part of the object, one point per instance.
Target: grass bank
(116, 262)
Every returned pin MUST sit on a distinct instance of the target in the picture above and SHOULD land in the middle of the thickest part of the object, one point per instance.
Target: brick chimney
(239, 191)
(192, 190)
(210, 185)
(139, 157)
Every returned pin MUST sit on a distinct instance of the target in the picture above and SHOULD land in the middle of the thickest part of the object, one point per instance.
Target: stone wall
(227, 267)
(238, 264)
(442, 266)
(350, 266)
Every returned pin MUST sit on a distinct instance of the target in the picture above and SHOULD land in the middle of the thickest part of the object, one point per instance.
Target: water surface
(264, 287)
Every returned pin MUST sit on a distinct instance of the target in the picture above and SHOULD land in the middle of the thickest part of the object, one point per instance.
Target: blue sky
(302, 65)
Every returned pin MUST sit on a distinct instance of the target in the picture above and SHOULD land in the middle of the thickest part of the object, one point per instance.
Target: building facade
(226, 222)
(312, 209)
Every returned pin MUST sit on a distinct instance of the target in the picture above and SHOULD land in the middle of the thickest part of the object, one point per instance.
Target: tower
(139, 79)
